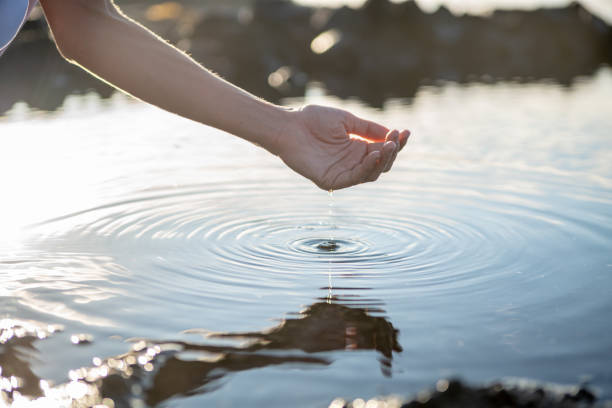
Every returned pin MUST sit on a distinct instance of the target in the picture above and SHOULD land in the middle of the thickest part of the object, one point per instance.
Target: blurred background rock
(380, 50)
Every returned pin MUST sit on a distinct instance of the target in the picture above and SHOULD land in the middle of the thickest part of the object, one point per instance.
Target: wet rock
(81, 339)
(581, 395)
(455, 394)
(520, 395)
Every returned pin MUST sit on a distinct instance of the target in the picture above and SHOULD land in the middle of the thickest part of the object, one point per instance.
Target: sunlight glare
(325, 41)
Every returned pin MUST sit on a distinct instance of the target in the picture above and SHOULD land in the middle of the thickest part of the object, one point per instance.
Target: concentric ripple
(433, 238)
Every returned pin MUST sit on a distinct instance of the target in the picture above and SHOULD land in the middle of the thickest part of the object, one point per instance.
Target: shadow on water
(155, 371)
(382, 50)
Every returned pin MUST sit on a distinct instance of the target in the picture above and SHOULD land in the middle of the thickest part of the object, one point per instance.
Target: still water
(486, 253)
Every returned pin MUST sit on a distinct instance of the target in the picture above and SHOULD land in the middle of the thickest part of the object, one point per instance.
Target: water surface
(485, 253)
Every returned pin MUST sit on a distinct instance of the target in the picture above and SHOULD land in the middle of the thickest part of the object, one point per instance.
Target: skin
(315, 141)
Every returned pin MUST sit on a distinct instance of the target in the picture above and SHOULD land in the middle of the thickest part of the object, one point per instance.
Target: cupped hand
(336, 149)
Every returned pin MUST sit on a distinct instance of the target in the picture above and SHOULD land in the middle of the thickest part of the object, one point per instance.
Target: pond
(486, 253)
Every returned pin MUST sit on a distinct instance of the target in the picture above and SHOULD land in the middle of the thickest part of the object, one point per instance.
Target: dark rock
(582, 395)
(248, 52)
(497, 395)
(376, 11)
(396, 55)
(454, 388)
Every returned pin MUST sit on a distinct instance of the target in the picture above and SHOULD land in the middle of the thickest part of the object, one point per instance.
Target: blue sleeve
(12, 15)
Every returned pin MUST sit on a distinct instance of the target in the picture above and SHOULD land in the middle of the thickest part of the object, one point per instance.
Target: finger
(395, 138)
(390, 163)
(387, 154)
(375, 147)
(359, 174)
(403, 138)
(365, 128)
(379, 145)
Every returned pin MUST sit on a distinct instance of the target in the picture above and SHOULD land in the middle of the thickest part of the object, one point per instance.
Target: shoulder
(12, 15)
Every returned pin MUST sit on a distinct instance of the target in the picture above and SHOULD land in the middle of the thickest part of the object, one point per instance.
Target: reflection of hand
(322, 147)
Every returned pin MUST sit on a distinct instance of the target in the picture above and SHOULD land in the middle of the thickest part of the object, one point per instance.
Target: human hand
(321, 145)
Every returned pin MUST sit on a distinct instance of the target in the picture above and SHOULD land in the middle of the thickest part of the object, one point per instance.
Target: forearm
(314, 141)
(134, 60)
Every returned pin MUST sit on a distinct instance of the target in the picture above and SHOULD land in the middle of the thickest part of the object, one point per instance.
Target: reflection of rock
(379, 51)
(34, 72)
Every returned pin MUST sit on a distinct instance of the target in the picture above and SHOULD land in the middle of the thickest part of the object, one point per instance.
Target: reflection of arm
(95, 35)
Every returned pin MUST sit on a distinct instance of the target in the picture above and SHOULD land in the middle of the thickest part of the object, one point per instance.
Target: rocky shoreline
(386, 50)
(457, 394)
(274, 48)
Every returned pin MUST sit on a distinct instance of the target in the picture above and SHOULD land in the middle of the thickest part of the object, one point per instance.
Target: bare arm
(313, 141)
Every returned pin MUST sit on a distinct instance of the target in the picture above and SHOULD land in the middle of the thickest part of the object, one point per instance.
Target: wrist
(281, 126)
